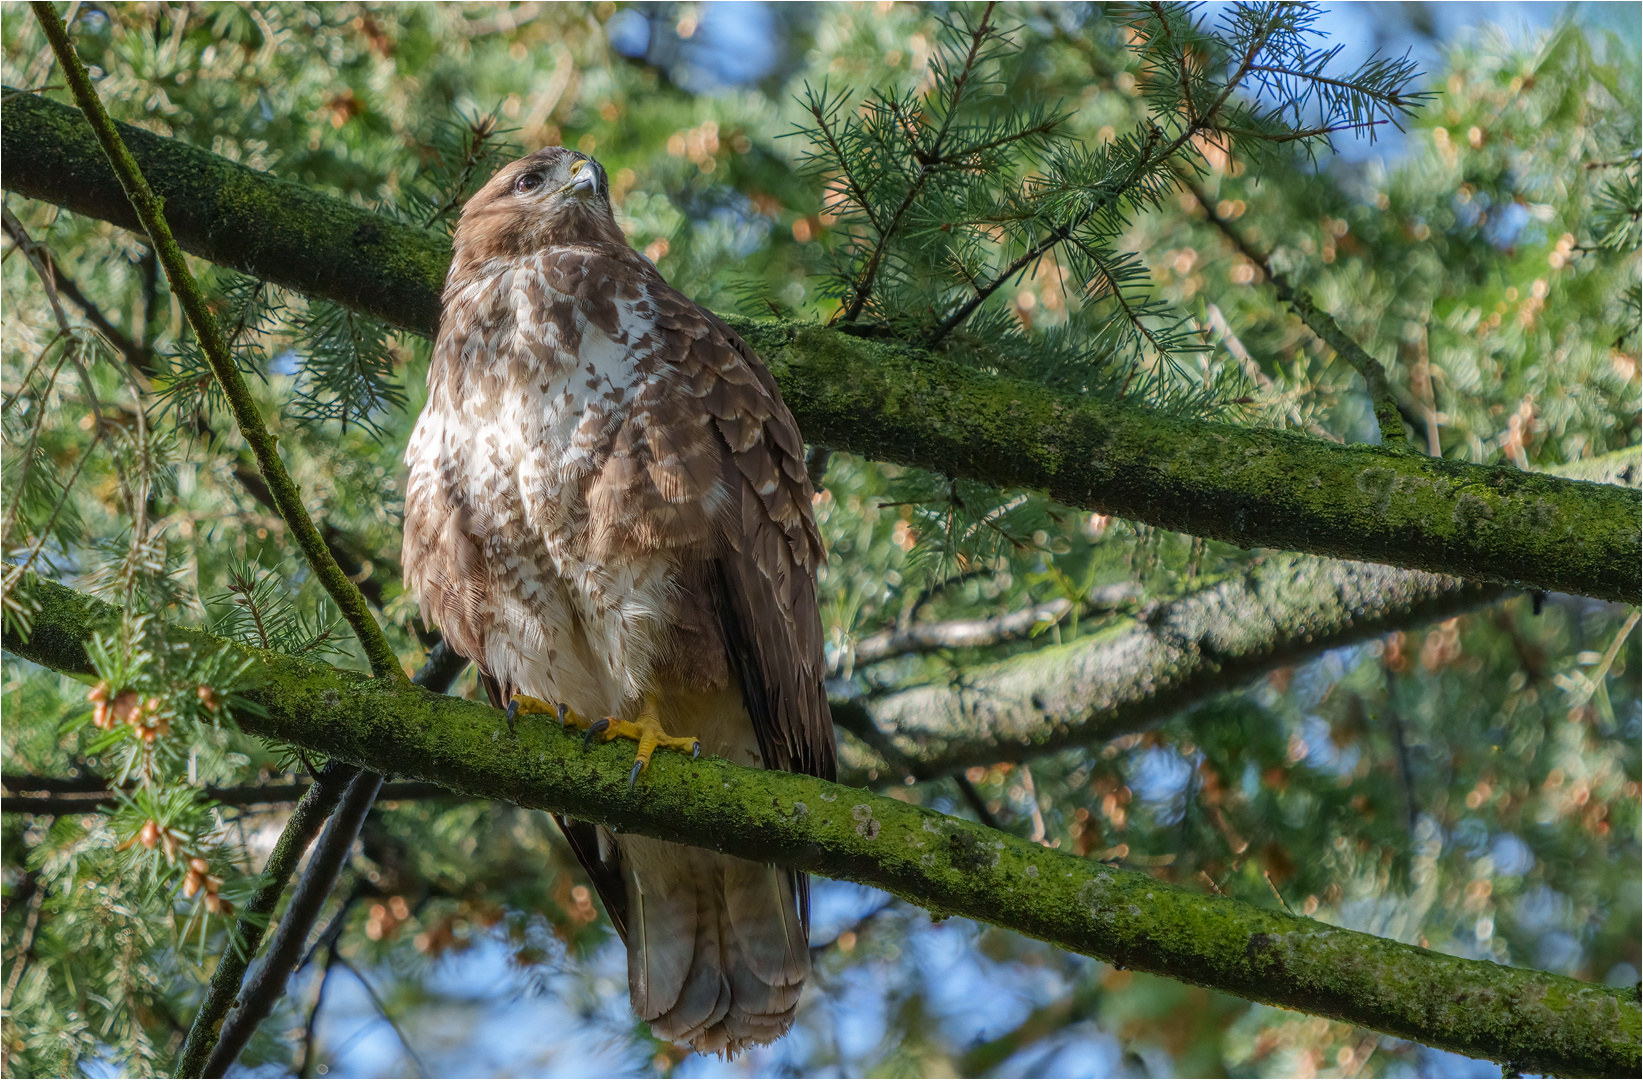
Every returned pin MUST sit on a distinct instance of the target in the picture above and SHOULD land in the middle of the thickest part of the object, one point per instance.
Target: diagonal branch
(149, 210)
(136, 355)
(894, 402)
(262, 991)
(305, 822)
(1317, 320)
(1139, 673)
(1534, 1020)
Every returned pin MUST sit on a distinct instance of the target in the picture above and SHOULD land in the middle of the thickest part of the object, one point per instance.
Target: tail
(717, 952)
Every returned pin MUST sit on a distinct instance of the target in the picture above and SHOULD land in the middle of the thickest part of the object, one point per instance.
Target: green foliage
(1004, 184)
(945, 196)
(257, 609)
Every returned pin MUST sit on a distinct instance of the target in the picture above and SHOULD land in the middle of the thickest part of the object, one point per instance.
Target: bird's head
(550, 198)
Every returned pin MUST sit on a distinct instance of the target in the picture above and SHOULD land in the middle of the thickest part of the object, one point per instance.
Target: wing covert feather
(767, 570)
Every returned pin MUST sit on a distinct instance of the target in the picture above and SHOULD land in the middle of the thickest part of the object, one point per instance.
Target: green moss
(953, 867)
(885, 400)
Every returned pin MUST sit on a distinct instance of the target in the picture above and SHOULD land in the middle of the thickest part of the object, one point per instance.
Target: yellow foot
(648, 732)
(529, 706)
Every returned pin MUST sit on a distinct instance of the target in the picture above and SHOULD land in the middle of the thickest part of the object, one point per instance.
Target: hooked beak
(585, 182)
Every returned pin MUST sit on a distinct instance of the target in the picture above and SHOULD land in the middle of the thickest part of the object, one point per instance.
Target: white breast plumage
(536, 393)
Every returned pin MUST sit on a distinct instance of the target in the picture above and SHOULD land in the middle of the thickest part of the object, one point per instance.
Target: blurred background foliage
(1472, 786)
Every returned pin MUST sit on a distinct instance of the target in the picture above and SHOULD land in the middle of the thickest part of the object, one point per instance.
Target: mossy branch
(1142, 670)
(150, 212)
(1285, 610)
(893, 402)
(1529, 1019)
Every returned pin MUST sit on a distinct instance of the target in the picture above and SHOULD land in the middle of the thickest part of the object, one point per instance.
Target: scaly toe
(524, 703)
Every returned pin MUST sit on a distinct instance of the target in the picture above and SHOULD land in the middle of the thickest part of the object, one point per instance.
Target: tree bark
(889, 401)
(1528, 1019)
(1287, 609)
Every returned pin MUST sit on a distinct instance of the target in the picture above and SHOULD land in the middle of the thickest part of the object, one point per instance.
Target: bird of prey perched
(608, 511)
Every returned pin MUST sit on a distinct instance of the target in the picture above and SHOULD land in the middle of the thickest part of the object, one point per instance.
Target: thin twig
(288, 497)
(382, 1010)
(16, 570)
(135, 354)
(929, 162)
(266, 985)
(1317, 320)
(310, 1045)
(132, 350)
(977, 803)
(1271, 885)
(305, 821)
(34, 434)
(1143, 164)
(45, 266)
(39, 257)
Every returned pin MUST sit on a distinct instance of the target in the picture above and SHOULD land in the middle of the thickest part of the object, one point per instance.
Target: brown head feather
(535, 204)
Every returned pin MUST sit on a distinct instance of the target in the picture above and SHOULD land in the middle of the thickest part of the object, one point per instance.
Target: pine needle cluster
(945, 196)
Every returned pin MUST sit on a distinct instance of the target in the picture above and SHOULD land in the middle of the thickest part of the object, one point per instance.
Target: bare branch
(101, 800)
(958, 633)
(1320, 322)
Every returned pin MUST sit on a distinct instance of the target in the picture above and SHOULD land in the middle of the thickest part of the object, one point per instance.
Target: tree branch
(101, 800)
(894, 402)
(266, 985)
(1286, 611)
(929, 161)
(1320, 322)
(149, 209)
(1534, 1020)
(1289, 608)
(246, 936)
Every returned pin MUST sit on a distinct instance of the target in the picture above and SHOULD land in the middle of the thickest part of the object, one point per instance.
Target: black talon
(695, 749)
(633, 777)
(513, 710)
(564, 711)
(596, 728)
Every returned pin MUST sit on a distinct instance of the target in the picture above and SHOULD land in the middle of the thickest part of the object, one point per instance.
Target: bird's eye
(527, 182)
(574, 169)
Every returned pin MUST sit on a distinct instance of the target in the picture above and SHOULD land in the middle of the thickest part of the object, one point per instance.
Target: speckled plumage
(607, 499)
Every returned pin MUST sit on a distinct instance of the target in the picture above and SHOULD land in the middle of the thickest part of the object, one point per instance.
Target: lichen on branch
(1141, 670)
